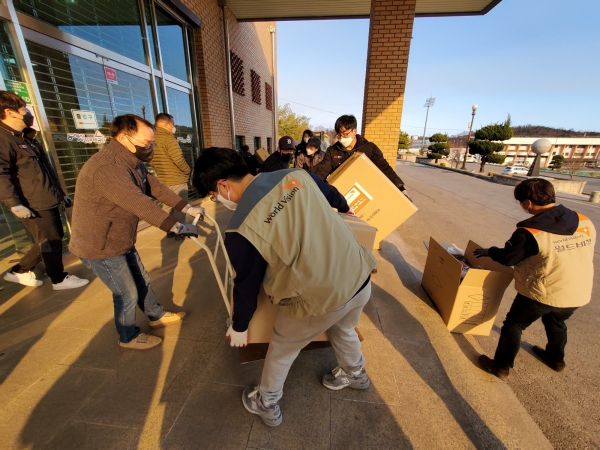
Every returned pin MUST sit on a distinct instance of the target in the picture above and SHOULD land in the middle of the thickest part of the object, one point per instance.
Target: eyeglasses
(150, 146)
(346, 134)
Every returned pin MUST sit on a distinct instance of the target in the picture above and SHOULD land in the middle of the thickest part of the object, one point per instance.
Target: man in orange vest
(552, 253)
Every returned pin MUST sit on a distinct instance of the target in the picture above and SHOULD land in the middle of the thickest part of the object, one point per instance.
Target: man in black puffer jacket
(349, 142)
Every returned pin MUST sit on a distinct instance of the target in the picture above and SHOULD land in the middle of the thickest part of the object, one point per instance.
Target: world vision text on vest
(295, 186)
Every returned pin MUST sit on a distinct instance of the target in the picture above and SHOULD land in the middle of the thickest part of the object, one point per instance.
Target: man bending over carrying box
(319, 278)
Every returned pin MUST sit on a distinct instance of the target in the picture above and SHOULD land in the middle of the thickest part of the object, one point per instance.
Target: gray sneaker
(338, 379)
(270, 415)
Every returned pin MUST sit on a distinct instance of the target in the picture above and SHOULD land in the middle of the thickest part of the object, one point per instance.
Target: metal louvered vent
(237, 74)
(268, 96)
(255, 83)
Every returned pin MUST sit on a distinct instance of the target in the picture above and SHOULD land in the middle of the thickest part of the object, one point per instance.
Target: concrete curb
(491, 399)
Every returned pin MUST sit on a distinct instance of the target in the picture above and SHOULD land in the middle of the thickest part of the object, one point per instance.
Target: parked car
(512, 170)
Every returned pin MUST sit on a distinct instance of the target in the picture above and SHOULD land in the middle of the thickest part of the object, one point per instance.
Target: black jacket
(26, 175)
(251, 162)
(273, 163)
(522, 244)
(336, 154)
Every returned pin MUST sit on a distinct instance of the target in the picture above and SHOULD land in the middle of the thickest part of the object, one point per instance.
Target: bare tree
(572, 166)
(455, 157)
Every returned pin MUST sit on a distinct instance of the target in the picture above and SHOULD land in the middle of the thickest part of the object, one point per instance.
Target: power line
(339, 114)
(302, 104)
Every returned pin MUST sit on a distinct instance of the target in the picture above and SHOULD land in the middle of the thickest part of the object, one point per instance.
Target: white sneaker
(26, 279)
(70, 282)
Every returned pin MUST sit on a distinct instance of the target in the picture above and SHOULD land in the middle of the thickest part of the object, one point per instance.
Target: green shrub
(434, 156)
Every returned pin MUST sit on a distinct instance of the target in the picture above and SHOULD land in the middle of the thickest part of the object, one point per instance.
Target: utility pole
(464, 164)
(428, 103)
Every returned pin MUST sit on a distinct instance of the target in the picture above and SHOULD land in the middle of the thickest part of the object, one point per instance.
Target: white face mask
(305, 140)
(310, 152)
(227, 203)
(174, 130)
(346, 141)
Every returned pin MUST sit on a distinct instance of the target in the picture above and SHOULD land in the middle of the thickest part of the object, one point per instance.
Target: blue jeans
(129, 282)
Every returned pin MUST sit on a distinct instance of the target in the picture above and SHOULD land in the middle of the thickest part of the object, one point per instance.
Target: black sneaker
(270, 415)
(489, 365)
(337, 379)
(558, 366)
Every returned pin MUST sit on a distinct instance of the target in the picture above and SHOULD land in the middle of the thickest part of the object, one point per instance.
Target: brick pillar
(390, 32)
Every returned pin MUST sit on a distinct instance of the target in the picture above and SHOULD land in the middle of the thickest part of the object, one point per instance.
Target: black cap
(286, 143)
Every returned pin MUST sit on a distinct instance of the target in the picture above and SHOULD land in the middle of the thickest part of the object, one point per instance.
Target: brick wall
(252, 43)
(390, 33)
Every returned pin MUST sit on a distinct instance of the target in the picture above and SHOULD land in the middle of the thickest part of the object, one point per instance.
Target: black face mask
(285, 157)
(144, 154)
(28, 119)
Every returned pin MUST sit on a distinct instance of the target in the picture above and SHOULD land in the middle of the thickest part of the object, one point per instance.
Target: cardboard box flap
(485, 263)
(447, 263)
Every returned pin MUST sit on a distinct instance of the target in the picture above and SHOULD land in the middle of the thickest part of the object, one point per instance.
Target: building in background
(79, 64)
(584, 150)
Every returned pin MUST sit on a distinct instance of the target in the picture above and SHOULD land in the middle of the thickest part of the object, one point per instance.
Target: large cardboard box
(371, 195)
(261, 325)
(261, 155)
(470, 306)
(365, 233)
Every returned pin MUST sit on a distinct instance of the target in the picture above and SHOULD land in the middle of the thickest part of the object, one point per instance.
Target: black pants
(47, 232)
(523, 312)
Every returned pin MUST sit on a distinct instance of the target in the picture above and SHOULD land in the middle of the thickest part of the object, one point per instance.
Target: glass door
(81, 97)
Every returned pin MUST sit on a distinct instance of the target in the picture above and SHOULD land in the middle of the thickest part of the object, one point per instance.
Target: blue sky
(538, 60)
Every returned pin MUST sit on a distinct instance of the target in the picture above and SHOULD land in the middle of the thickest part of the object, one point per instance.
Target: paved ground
(67, 385)
(456, 208)
(592, 184)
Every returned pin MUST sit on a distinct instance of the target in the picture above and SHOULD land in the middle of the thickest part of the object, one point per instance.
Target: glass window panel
(170, 36)
(159, 95)
(69, 82)
(8, 62)
(153, 50)
(179, 108)
(112, 24)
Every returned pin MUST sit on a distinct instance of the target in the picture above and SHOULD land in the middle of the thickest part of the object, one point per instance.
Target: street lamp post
(428, 103)
(464, 164)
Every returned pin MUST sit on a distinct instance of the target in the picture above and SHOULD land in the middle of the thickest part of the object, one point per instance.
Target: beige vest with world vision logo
(314, 263)
(562, 273)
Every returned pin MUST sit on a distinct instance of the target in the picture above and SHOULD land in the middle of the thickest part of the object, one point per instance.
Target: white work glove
(67, 201)
(238, 339)
(22, 212)
(193, 210)
(183, 229)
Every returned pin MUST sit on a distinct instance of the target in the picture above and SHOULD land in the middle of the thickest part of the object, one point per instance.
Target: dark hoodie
(522, 244)
(336, 154)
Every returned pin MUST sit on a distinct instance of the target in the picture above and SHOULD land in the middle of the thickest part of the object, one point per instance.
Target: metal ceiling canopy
(267, 10)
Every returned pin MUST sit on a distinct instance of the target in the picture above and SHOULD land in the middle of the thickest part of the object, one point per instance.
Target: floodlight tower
(428, 104)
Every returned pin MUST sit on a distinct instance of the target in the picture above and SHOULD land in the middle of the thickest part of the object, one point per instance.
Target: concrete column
(390, 32)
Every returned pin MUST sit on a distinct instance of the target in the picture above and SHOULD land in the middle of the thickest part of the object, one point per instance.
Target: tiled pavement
(66, 384)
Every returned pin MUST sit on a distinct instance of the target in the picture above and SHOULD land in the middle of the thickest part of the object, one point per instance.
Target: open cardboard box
(371, 195)
(261, 325)
(470, 306)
